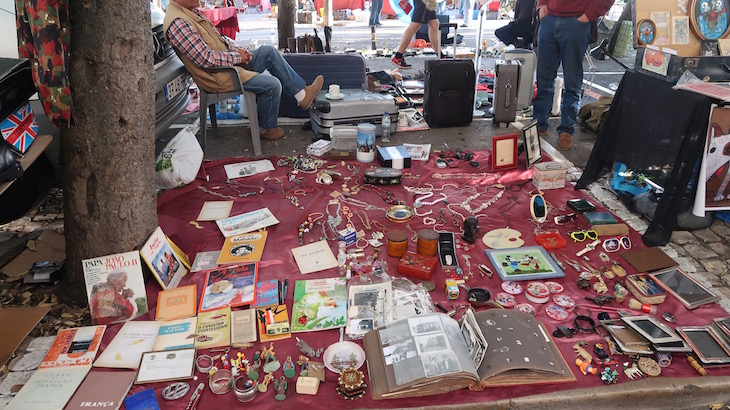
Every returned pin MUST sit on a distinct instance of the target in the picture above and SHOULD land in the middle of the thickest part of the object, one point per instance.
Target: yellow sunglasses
(580, 236)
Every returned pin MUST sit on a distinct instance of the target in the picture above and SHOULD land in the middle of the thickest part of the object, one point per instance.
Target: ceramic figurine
(264, 385)
(280, 386)
(288, 367)
(304, 363)
(470, 229)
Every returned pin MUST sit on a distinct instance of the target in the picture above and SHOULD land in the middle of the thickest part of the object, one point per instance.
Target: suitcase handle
(450, 25)
(507, 96)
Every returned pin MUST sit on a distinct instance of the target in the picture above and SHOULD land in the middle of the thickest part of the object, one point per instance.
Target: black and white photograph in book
(371, 298)
(394, 334)
(399, 352)
(474, 342)
(432, 343)
(440, 364)
(359, 327)
(422, 325)
(409, 370)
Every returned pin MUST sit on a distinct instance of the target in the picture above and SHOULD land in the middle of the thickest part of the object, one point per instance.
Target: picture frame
(531, 143)
(722, 324)
(645, 32)
(710, 19)
(706, 343)
(504, 152)
(627, 339)
(167, 365)
(685, 289)
(652, 329)
(524, 263)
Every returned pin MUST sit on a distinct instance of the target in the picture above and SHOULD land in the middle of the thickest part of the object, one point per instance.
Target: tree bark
(285, 20)
(107, 154)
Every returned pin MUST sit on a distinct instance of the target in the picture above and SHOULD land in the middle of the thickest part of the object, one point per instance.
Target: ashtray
(399, 213)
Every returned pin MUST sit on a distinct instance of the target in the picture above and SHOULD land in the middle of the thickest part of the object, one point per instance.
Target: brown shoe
(543, 133)
(310, 91)
(565, 141)
(272, 133)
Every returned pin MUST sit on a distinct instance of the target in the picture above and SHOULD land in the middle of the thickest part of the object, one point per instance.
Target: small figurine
(452, 289)
(257, 356)
(632, 372)
(583, 353)
(280, 386)
(252, 371)
(470, 229)
(586, 367)
(601, 300)
(288, 368)
(264, 385)
(304, 363)
(600, 352)
(270, 362)
(305, 347)
(609, 376)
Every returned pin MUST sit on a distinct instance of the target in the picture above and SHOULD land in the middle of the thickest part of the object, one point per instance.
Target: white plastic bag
(179, 161)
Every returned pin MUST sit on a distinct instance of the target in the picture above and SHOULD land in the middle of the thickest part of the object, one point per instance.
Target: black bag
(449, 87)
(10, 169)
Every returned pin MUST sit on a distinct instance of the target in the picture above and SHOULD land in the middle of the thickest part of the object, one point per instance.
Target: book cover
(244, 223)
(176, 303)
(77, 346)
(213, 210)
(125, 350)
(243, 328)
(319, 304)
(142, 400)
(213, 329)
(176, 334)
(49, 389)
(273, 323)
(232, 286)
(267, 293)
(164, 259)
(102, 390)
(243, 248)
(115, 287)
(314, 257)
(205, 260)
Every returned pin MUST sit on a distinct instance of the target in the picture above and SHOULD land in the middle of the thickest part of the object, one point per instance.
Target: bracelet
(584, 318)
(245, 389)
(206, 365)
(221, 382)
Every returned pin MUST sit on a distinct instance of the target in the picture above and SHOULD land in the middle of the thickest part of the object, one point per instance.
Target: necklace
(356, 202)
(465, 175)
(366, 221)
(333, 221)
(484, 205)
(308, 224)
(240, 194)
(387, 196)
(419, 201)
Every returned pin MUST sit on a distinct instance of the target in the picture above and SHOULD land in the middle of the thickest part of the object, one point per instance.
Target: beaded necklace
(308, 224)
(387, 196)
(484, 205)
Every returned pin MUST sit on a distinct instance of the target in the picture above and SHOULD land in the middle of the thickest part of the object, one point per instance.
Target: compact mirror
(538, 208)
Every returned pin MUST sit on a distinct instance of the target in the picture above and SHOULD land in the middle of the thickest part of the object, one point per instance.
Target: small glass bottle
(386, 127)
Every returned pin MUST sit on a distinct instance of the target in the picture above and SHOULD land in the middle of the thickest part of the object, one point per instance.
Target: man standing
(201, 48)
(563, 37)
(424, 12)
(376, 6)
(522, 25)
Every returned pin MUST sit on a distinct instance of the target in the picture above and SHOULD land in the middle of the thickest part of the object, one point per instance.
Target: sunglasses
(614, 244)
(580, 236)
(564, 219)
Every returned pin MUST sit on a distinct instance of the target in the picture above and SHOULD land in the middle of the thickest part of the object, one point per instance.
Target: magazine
(243, 248)
(115, 287)
(319, 304)
(164, 259)
(233, 286)
(247, 222)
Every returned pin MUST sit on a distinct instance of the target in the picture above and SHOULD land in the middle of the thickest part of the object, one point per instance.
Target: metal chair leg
(202, 111)
(253, 119)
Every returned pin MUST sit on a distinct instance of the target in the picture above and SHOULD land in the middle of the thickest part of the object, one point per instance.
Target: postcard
(314, 257)
(214, 210)
(246, 169)
(205, 260)
(247, 222)
(167, 365)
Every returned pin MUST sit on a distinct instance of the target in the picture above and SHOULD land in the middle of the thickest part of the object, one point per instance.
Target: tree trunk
(107, 155)
(285, 20)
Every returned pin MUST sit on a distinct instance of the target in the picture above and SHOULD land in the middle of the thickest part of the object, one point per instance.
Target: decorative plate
(399, 213)
(341, 355)
(526, 308)
(505, 299)
(564, 301)
(555, 287)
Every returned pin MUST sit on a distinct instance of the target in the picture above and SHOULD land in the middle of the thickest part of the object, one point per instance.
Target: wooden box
(417, 265)
(645, 289)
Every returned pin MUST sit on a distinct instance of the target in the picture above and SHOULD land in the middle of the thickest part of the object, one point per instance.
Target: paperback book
(115, 287)
(102, 390)
(213, 329)
(233, 286)
(164, 259)
(319, 304)
(243, 248)
(243, 328)
(273, 323)
(125, 350)
(176, 303)
(267, 293)
(176, 334)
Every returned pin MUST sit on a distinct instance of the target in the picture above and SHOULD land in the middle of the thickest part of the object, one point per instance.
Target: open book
(433, 354)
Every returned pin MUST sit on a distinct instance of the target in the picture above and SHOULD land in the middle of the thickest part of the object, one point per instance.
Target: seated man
(523, 25)
(202, 47)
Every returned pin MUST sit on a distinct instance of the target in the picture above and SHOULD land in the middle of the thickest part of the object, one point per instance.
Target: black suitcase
(506, 82)
(422, 32)
(346, 70)
(448, 99)
(16, 85)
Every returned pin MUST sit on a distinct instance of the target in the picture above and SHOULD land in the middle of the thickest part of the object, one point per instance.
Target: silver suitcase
(528, 75)
(355, 107)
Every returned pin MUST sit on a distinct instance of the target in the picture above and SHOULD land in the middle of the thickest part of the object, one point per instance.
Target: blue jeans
(268, 87)
(376, 6)
(560, 40)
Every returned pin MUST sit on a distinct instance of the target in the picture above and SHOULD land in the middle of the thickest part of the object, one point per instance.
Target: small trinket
(303, 362)
(600, 300)
(288, 368)
(649, 366)
(632, 372)
(600, 352)
(175, 391)
(280, 387)
(264, 385)
(244, 389)
(585, 367)
(351, 384)
(305, 347)
(669, 317)
(609, 376)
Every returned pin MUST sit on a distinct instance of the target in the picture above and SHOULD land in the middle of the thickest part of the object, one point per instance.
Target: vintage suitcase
(16, 85)
(448, 99)
(355, 107)
(506, 81)
(528, 75)
(346, 70)
(670, 67)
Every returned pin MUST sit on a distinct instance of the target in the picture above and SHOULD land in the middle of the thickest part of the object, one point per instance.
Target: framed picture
(166, 366)
(680, 29)
(707, 344)
(531, 141)
(709, 18)
(524, 263)
(652, 329)
(645, 32)
(504, 152)
(685, 289)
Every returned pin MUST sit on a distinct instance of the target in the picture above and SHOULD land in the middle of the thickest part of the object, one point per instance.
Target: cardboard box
(394, 157)
(549, 175)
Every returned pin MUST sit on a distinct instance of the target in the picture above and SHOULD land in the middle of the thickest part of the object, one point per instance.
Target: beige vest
(216, 81)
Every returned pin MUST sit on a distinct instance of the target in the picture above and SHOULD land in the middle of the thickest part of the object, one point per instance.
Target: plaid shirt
(187, 39)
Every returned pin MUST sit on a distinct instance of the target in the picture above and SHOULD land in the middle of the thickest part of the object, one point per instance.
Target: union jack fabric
(20, 128)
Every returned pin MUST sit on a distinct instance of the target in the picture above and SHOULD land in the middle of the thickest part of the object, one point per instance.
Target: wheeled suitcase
(506, 81)
(448, 99)
(345, 70)
(528, 75)
(355, 107)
